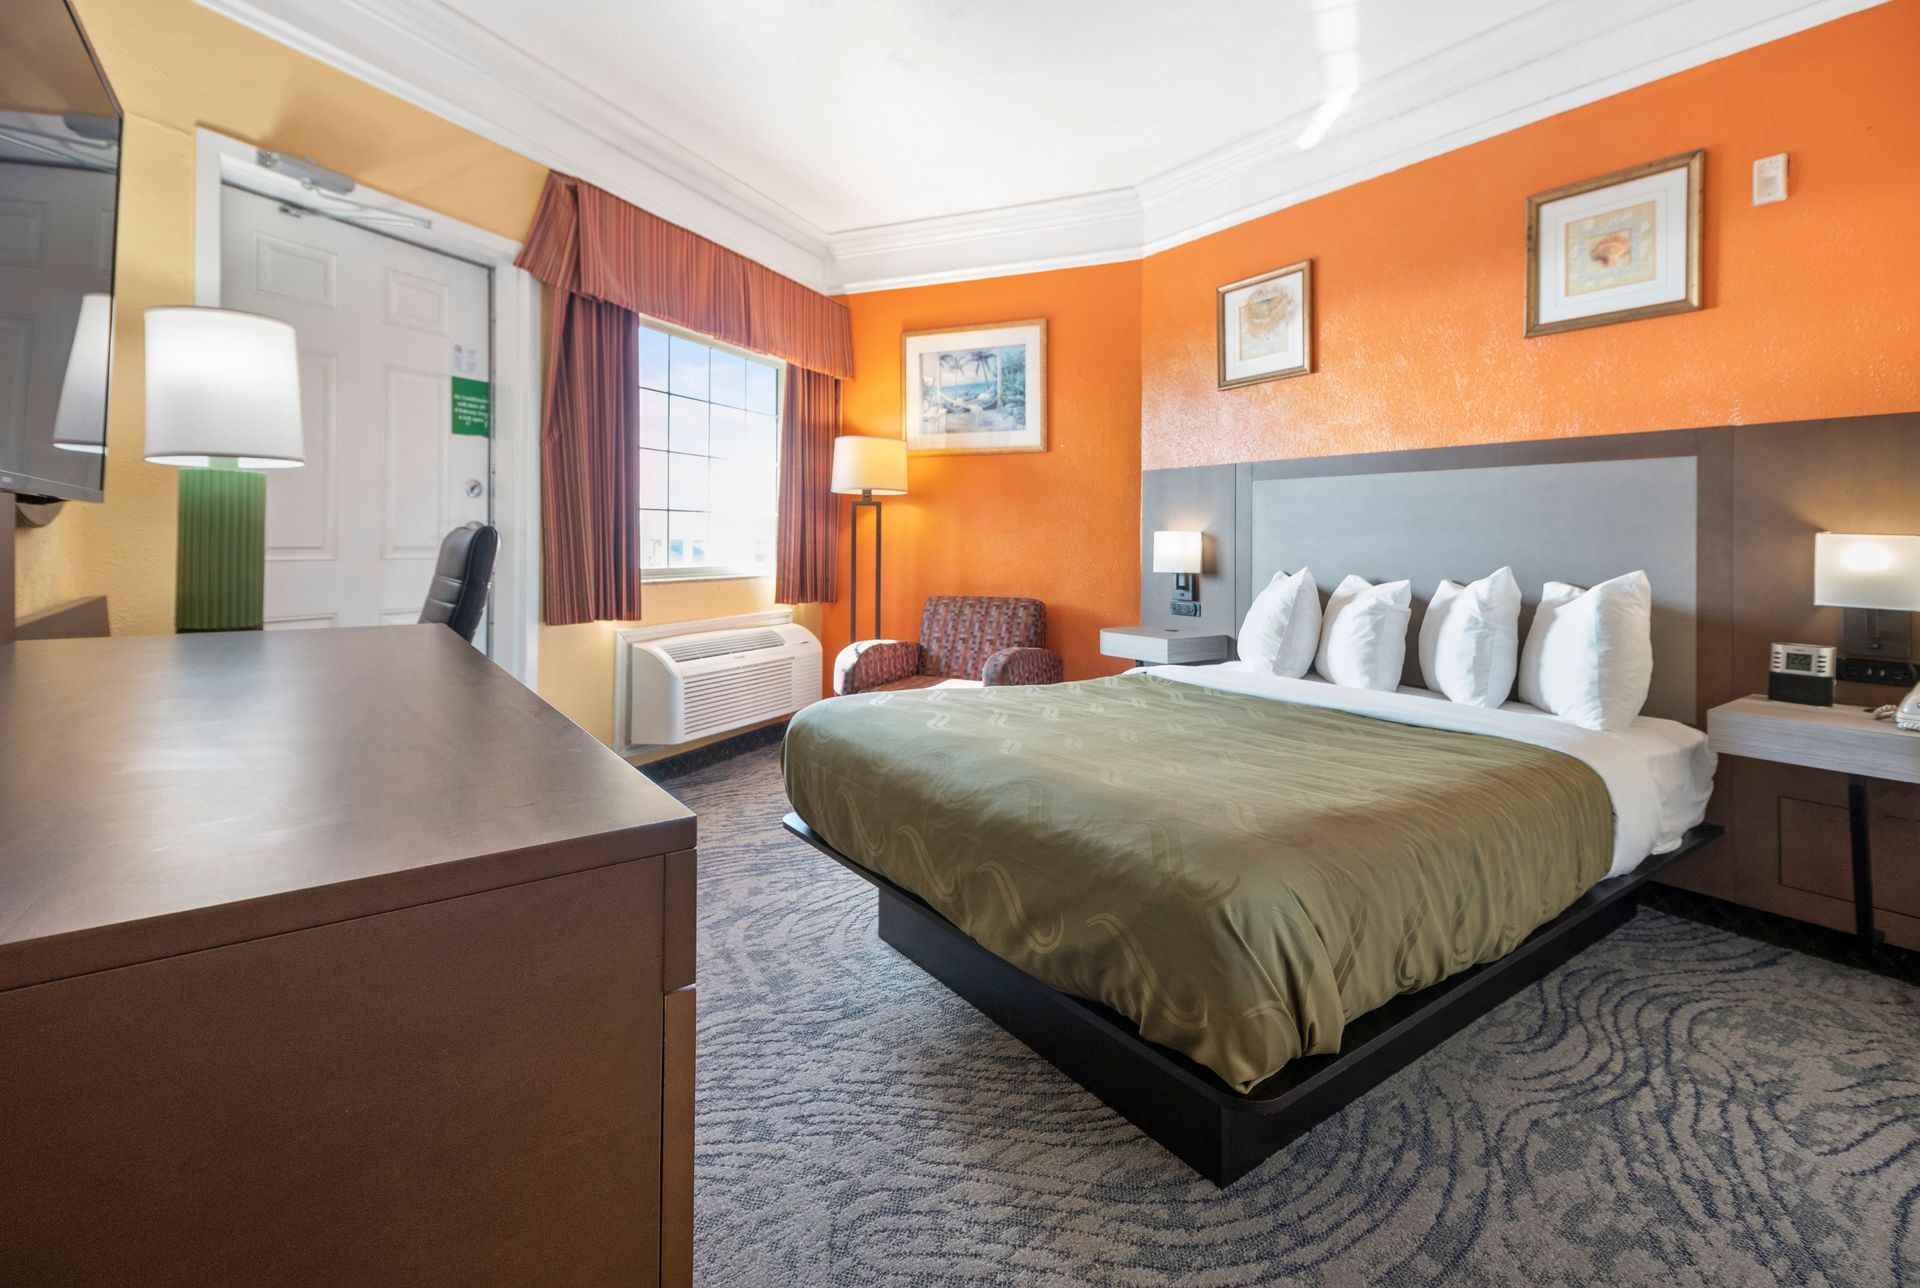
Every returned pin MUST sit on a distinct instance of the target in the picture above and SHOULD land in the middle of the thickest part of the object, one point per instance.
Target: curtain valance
(592, 243)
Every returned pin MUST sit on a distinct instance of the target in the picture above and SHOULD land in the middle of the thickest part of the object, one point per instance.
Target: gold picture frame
(1280, 318)
(1607, 250)
(975, 390)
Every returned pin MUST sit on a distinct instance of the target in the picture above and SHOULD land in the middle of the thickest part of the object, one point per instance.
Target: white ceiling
(863, 143)
(853, 113)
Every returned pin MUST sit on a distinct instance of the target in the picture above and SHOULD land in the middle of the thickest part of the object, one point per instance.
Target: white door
(389, 334)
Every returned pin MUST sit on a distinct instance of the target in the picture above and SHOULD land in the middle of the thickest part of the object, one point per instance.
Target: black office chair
(458, 594)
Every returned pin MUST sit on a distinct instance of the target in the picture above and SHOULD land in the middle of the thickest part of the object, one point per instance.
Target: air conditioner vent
(746, 694)
(720, 643)
(672, 691)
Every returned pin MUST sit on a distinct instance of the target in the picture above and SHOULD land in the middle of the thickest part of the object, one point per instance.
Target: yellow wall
(576, 662)
(176, 66)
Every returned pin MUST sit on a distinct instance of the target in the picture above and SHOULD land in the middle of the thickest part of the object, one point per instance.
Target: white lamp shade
(221, 383)
(1856, 570)
(1176, 552)
(865, 464)
(80, 422)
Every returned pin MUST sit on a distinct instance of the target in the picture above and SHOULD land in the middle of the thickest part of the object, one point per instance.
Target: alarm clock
(1803, 673)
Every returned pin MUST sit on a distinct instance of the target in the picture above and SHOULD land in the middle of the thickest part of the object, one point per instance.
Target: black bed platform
(1219, 1132)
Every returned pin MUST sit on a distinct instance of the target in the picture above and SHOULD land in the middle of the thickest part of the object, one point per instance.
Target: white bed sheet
(1659, 773)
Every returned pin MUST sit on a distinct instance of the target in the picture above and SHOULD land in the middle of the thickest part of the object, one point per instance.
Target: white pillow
(1363, 634)
(1470, 639)
(1283, 626)
(1589, 654)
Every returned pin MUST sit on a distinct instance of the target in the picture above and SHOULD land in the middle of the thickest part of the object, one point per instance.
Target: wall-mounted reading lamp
(1179, 554)
(1877, 580)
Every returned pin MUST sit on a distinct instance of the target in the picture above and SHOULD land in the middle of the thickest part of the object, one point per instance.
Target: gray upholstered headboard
(1565, 511)
(1581, 522)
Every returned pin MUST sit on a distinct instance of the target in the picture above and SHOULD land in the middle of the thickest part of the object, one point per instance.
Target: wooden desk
(333, 957)
(1844, 740)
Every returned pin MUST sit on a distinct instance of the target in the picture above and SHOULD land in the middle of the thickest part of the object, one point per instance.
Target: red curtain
(590, 465)
(807, 547)
(609, 261)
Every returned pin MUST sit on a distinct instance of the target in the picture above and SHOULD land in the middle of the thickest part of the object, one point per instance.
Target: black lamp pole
(853, 592)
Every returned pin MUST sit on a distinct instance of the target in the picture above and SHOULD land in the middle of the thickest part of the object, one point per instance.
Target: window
(709, 457)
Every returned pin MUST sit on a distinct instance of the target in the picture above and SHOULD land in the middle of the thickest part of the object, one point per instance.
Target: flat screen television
(59, 186)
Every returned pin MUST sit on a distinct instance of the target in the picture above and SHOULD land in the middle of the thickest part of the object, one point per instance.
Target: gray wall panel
(1581, 522)
(1197, 499)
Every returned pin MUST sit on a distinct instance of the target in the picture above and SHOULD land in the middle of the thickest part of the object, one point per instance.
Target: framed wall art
(975, 389)
(1617, 248)
(1265, 326)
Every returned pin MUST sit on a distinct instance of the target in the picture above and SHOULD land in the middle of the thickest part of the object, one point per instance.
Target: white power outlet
(1770, 179)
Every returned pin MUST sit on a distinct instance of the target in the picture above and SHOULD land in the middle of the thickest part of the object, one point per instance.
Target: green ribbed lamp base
(223, 550)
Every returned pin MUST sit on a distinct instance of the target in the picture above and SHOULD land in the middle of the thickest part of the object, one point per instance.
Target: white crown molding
(1560, 56)
(435, 58)
(1546, 62)
(1552, 60)
(1098, 228)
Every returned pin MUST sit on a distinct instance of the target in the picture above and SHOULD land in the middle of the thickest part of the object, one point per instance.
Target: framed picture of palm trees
(975, 389)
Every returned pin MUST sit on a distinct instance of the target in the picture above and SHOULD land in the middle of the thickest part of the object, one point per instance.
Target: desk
(333, 957)
(1845, 740)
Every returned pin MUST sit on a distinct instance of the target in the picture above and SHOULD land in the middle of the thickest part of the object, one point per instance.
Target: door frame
(516, 365)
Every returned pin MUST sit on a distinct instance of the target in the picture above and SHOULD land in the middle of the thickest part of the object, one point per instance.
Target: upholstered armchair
(965, 640)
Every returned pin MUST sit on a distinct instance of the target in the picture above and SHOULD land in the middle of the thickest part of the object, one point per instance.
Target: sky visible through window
(709, 451)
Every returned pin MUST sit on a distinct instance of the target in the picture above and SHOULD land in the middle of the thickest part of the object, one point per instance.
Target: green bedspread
(1238, 876)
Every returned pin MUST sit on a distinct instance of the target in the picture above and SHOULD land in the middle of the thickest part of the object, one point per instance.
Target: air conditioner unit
(694, 686)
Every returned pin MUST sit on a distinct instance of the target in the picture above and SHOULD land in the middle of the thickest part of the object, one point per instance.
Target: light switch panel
(1770, 179)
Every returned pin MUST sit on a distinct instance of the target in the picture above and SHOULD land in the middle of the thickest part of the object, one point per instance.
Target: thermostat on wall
(1770, 179)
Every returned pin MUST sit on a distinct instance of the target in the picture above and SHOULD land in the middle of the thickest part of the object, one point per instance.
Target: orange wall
(1059, 525)
(1812, 310)
(1812, 306)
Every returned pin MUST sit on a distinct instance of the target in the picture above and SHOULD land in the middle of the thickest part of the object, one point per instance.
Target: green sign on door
(472, 406)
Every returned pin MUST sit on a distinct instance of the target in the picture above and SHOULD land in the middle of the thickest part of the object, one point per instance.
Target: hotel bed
(1227, 903)
(1232, 901)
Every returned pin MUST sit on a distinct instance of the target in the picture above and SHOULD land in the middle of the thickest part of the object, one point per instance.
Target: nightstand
(1844, 740)
(1168, 646)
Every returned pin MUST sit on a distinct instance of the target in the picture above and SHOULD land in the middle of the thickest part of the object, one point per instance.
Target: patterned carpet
(1679, 1105)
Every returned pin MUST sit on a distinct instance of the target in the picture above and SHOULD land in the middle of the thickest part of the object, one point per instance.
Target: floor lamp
(867, 467)
(223, 403)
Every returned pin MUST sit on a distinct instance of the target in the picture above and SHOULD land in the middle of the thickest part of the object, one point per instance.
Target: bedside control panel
(1184, 610)
(1872, 670)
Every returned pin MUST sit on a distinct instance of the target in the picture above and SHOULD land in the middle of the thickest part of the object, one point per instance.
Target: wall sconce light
(1877, 580)
(1179, 554)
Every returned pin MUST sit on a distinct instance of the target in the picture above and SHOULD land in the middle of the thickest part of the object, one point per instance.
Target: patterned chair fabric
(877, 664)
(958, 633)
(987, 639)
(1024, 666)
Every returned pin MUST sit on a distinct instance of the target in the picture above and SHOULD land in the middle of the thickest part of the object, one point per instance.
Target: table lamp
(223, 403)
(867, 467)
(1179, 553)
(1871, 576)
